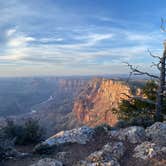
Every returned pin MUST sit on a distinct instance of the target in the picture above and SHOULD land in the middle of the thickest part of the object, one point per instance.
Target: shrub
(13, 131)
(28, 133)
(33, 132)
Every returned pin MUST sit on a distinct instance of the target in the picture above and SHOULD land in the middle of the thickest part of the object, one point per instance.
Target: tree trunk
(161, 87)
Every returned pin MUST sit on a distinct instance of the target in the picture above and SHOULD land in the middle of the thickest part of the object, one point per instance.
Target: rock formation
(94, 104)
(87, 147)
(80, 136)
(133, 134)
(147, 150)
(157, 133)
(108, 155)
(48, 162)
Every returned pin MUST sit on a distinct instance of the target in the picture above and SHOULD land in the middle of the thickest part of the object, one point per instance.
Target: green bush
(28, 133)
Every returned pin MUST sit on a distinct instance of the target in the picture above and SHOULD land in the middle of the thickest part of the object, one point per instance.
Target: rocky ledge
(86, 146)
(80, 136)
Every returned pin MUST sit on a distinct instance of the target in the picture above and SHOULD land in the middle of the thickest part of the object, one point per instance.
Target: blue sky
(78, 37)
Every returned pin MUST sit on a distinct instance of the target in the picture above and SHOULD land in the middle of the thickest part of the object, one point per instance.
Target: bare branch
(156, 65)
(139, 98)
(138, 72)
(152, 55)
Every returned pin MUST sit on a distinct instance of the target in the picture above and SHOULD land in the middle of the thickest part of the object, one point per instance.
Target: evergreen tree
(136, 111)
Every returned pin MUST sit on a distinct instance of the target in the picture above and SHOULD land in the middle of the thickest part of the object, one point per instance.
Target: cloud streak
(57, 34)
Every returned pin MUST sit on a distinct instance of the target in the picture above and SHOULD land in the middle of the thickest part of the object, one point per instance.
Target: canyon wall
(94, 104)
(77, 101)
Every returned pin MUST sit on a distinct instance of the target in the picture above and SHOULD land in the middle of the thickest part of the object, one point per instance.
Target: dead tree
(159, 105)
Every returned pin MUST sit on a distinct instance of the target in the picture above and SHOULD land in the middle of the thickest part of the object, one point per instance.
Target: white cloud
(10, 32)
(17, 45)
(88, 40)
(46, 40)
(20, 41)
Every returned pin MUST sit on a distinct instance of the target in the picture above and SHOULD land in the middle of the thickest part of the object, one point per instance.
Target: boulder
(107, 156)
(80, 135)
(112, 162)
(148, 150)
(157, 133)
(133, 134)
(63, 156)
(48, 162)
(116, 149)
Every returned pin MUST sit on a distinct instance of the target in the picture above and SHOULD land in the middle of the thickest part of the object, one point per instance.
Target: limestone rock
(133, 134)
(112, 162)
(157, 133)
(63, 156)
(107, 156)
(80, 135)
(48, 162)
(148, 150)
(116, 149)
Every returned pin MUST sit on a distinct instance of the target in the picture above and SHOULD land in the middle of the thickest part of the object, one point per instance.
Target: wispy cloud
(66, 37)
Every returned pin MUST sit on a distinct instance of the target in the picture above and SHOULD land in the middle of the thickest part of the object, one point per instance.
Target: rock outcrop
(87, 147)
(94, 104)
(48, 162)
(80, 136)
(148, 150)
(133, 134)
(110, 154)
(157, 133)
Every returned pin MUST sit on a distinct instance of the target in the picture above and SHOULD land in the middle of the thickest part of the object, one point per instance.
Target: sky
(79, 37)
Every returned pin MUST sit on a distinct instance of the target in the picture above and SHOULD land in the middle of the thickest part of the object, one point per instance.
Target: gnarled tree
(161, 82)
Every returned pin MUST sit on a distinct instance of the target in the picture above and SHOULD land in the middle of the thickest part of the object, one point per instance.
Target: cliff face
(94, 104)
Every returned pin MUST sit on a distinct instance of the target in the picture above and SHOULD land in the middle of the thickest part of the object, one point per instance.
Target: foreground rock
(48, 162)
(148, 150)
(132, 134)
(63, 156)
(109, 155)
(80, 135)
(157, 133)
(112, 162)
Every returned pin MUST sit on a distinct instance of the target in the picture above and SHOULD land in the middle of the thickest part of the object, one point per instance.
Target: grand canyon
(82, 83)
(67, 103)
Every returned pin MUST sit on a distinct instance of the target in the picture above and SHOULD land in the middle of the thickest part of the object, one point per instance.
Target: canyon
(81, 102)
(72, 102)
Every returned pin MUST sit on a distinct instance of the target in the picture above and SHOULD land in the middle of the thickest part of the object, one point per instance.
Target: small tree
(33, 132)
(27, 133)
(136, 110)
(160, 94)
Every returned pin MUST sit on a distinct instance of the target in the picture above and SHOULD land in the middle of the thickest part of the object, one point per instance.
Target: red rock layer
(95, 103)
